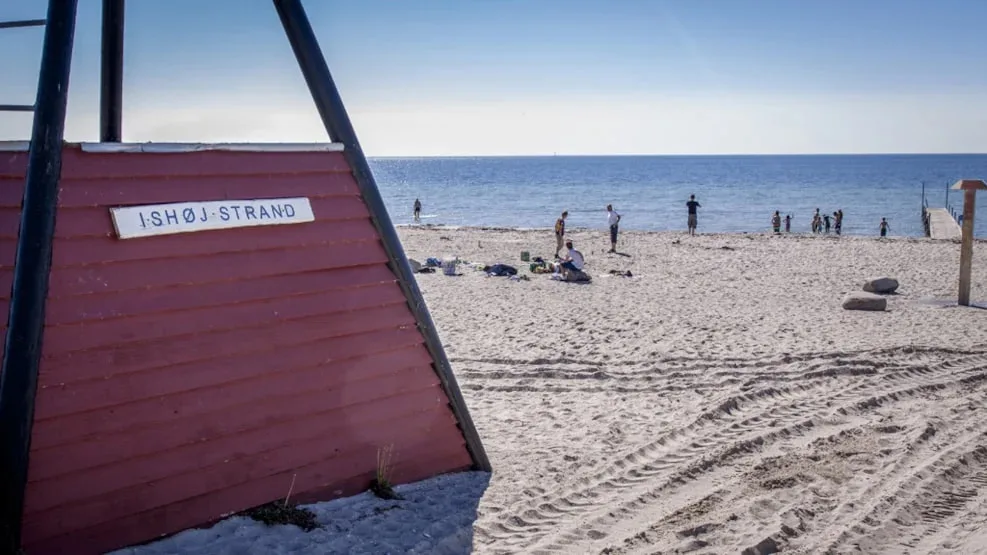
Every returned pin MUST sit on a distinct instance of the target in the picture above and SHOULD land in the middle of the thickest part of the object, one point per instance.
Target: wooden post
(966, 250)
(969, 188)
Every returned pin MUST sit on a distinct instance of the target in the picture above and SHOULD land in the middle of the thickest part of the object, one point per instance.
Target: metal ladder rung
(16, 107)
(22, 23)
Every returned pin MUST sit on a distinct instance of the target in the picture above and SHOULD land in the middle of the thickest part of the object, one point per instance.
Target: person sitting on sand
(788, 223)
(613, 218)
(573, 259)
(776, 222)
(885, 227)
(560, 232)
(693, 217)
(418, 210)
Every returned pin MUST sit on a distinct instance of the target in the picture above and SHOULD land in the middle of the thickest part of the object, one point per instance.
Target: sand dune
(721, 400)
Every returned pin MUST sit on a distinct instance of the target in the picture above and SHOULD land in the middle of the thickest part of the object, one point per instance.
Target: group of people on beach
(613, 223)
(821, 223)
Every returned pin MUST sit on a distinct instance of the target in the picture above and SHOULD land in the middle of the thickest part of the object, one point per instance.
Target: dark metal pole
(111, 76)
(25, 323)
(22, 23)
(330, 105)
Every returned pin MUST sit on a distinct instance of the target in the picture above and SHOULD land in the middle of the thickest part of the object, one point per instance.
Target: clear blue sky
(455, 77)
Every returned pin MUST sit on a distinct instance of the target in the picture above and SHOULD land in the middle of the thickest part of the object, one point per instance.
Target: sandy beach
(720, 400)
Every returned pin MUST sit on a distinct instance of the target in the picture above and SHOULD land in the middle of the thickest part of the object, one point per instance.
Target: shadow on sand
(433, 516)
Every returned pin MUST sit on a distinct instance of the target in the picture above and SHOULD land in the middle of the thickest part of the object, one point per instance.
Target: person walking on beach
(560, 232)
(884, 227)
(776, 222)
(613, 218)
(692, 205)
(418, 210)
(788, 223)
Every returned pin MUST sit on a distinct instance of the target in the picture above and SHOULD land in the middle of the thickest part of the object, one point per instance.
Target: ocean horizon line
(738, 155)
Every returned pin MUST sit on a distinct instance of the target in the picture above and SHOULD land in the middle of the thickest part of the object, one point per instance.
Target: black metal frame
(330, 105)
(32, 263)
(111, 74)
(22, 23)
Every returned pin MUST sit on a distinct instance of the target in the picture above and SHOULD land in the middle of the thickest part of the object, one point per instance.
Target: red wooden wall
(190, 376)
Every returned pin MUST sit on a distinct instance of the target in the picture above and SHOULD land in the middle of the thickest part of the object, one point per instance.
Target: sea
(737, 193)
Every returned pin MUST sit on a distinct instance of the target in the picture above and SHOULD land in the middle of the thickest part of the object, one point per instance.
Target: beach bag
(449, 267)
(577, 276)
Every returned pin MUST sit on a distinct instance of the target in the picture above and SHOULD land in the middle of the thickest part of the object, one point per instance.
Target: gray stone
(881, 285)
(416, 266)
(865, 301)
(577, 276)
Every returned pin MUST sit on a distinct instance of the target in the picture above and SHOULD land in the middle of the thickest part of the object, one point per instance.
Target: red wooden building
(180, 364)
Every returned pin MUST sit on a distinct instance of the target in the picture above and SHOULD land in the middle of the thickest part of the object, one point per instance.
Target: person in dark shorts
(826, 222)
(776, 222)
(573, 259)
(788, 223)
(418, 210)
(560, 232)
(613, 219)
(838, 221)
(693, 216)
(885, 228)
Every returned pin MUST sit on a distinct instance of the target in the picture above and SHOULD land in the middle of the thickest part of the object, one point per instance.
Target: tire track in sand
(719, 464)
(525, 523)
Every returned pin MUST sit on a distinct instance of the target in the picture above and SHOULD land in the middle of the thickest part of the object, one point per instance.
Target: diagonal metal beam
(32, 264)
(330, 105)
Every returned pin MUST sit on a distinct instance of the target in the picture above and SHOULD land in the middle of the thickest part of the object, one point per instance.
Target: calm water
(737, 193)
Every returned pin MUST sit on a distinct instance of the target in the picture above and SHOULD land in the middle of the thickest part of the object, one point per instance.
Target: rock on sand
(881, 285)
(865, 301)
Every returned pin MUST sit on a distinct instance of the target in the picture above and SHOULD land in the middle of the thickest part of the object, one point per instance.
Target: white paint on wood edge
(201, 147)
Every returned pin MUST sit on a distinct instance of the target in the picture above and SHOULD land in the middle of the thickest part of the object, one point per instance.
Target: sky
(536, 77)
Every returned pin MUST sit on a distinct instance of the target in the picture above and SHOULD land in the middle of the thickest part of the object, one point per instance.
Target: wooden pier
(941, 224)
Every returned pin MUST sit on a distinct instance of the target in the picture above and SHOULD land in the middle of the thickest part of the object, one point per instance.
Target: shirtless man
(693, 216)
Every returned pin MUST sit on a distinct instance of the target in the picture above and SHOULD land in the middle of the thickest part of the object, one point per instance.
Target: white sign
(186, 217)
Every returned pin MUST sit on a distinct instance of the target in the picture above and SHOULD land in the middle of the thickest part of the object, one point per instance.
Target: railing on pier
(955, 213)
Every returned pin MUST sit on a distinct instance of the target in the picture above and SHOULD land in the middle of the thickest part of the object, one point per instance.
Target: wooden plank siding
(187, 377)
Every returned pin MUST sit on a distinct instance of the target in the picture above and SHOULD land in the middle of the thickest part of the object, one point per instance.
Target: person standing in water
(418, 210)
(776, 222)
(613, 219)
(693, 216)
(560, 233)
(788, 223)
(885, 228)
(838, 221)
